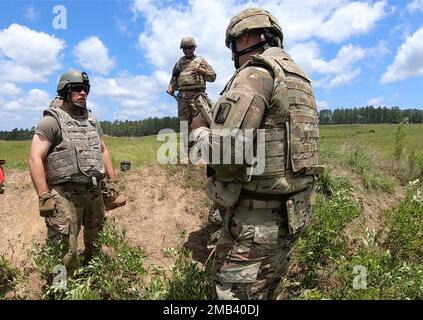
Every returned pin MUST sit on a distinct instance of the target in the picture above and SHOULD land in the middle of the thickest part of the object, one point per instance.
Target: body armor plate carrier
(290, 120)
(188, 81)
(78, 158)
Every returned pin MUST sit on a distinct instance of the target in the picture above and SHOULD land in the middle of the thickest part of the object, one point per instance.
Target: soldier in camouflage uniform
(68, 161)
(268, 211)
(189, 77)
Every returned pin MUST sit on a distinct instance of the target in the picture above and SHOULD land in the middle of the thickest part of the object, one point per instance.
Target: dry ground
(159, 214)
(162, 211)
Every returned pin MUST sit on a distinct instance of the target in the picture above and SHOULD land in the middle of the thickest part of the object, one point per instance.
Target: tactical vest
(78, 157)
(186, 80)
(290, 121)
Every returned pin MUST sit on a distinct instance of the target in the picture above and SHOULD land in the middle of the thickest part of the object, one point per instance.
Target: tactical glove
(46, 205)
(111, 197)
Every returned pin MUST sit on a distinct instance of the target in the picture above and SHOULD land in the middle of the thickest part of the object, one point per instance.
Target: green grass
(9, 276)
(139, 151)
(380, 137)
(143, 150)
(15, 153)
(324, 260)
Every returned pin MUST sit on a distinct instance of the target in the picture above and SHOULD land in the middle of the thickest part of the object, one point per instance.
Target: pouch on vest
(61, 165)
(303, 135)
(298, 209)
(225, 194)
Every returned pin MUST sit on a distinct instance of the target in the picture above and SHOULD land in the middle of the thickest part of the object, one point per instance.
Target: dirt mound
(374, 203)
(159, 214)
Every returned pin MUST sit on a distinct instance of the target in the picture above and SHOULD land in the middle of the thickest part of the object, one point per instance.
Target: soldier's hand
(113, 185)
(199, 71)
(170, 90)
(198, 122)
(46, 204)
(111, 196)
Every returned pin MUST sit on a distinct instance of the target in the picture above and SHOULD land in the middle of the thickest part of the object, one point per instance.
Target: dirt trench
(159, 214)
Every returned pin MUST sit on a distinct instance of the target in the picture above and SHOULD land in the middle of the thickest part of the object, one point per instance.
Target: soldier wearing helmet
(267, 209)
(68, 162)
(189, 77)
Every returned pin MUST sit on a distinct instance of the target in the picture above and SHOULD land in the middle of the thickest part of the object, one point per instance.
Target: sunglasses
(79, 88)
(188, 48)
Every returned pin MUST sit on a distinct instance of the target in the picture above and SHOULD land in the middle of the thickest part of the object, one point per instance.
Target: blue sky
(356, 52)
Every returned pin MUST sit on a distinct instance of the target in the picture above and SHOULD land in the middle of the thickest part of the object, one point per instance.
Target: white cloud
(34, 101)
(378, 101)
(9, 89)
(330, 20)
(322, 105)
(416, 5)
(341, 70)
(408, 61)
(351, 19)
(94, 55)
(136, 96)
(27, 55)
(24, 111)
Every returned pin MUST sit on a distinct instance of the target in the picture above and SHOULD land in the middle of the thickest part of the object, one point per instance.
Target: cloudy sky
(356, 52)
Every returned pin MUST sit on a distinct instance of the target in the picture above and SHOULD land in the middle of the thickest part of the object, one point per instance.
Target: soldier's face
(188, 51)
(79, 96)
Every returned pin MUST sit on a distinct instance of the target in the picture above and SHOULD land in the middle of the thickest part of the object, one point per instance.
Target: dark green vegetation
(370, 114)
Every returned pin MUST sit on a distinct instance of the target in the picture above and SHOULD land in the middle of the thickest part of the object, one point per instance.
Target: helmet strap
(268, 39)
(238, 54)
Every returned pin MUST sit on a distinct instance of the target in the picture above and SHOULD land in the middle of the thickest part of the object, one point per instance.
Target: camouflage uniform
(74, 170)
(189, 85)
(76, 204)
(267, 212)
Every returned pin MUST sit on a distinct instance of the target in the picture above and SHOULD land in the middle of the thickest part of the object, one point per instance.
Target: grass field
(143, 151)
(379, 137)
(368, 215)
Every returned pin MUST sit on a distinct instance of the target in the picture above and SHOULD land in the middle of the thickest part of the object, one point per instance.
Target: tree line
(152, 126)
(370, 114)
(117, 128)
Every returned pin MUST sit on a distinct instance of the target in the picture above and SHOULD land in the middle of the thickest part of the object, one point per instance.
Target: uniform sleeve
(48, 128)
(241, 107)
(248, 97)
(211, 74)
(173, 80)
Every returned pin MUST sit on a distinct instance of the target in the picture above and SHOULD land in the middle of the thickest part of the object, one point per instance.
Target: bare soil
(162, 211)
(159, 213)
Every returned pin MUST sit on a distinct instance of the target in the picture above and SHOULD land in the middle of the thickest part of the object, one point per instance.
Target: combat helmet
(70, 79)
(188, 42)
(251, 19)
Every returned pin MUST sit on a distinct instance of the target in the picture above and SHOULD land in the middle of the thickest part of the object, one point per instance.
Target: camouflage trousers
(252, 253)
(187, 111)
(77, 204)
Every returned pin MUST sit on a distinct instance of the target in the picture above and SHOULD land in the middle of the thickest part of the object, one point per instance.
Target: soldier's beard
(81, 105)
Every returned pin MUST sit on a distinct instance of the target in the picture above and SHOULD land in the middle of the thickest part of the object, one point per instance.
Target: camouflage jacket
(183, 80)
(271, 93)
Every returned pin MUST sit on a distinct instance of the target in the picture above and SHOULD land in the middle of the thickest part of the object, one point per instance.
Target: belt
(260, 204)
(189, 94)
